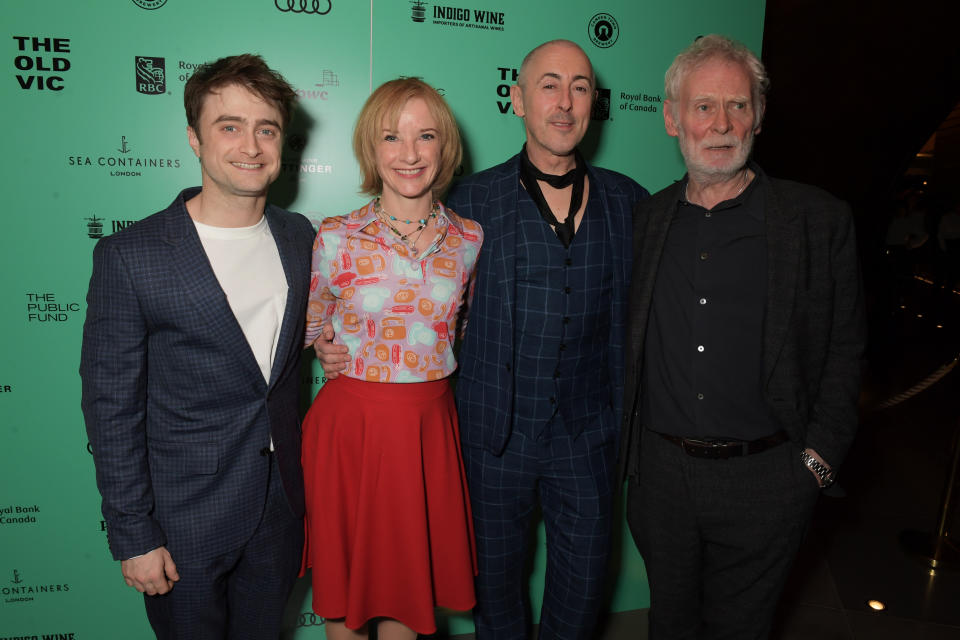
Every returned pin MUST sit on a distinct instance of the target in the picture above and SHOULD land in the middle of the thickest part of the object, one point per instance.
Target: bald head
(549, 49)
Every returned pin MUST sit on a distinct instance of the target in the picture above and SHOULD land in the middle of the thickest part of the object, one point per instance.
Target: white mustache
(725, 141)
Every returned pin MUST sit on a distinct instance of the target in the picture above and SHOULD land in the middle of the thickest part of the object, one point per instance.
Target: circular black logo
(149, 5)
(603, 30)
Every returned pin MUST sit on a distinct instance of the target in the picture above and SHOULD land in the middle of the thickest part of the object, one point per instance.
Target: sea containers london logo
(151, 75)
(462, 17)
(603, 30)
(123, 161)
(313, 7)
(149, 5)
(41, 62)
(18, 588)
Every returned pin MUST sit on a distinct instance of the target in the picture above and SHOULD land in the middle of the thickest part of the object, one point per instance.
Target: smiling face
(714, 119)
(553, 96)
(239, 143)
(408, 155)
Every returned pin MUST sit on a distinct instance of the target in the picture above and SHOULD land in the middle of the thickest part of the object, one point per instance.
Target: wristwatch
(827, 476)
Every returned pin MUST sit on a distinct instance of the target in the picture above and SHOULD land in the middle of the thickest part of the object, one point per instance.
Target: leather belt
(723, 449)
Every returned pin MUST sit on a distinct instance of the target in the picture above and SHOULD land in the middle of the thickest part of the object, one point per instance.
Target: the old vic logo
(316, 7)
(41, 62)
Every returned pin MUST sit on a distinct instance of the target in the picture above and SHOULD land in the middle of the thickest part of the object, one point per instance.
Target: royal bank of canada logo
(315, 7)
(151, 75)
(603, 30)
(418, 12)
(149, 5)
(13, 514)
(601, 106)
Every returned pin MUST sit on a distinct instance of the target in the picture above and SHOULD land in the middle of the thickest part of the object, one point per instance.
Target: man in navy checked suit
(190, 358)
(541, 367)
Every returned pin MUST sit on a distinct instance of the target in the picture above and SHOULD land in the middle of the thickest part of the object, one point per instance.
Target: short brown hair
(385, 105)
(247, 70)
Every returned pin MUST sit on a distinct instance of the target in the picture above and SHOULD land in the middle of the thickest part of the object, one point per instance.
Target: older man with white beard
(742, 368)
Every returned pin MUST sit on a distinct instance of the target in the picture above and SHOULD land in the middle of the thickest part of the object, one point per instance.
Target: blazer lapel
(202, 290)
(652, 223)
(504, 223)
(783, 255)
(298, 276)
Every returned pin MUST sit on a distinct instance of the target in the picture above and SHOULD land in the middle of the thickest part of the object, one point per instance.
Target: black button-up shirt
(702, 367)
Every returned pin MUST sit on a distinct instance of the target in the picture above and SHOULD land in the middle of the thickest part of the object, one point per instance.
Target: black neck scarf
(529, 174)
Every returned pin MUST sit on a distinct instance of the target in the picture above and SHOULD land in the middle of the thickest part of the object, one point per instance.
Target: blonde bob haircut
(382, 109)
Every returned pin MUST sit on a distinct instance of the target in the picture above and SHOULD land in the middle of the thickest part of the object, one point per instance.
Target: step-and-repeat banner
(95, 140)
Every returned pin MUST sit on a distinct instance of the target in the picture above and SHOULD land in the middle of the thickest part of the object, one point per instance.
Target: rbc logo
(151, 75)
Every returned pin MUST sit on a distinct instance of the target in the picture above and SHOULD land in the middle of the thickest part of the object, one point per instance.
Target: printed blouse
(396, 314)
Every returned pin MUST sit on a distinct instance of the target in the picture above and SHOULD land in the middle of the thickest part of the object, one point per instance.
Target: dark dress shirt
(703, 360)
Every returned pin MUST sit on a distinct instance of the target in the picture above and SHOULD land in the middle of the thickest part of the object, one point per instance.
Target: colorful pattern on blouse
(396, 315)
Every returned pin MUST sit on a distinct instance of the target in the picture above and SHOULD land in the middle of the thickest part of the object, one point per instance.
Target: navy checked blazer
(176, 408)
(485, 387)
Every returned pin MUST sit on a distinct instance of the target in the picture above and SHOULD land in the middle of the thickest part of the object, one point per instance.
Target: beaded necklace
(405, 238)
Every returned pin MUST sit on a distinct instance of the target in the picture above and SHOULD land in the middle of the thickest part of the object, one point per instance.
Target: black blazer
(813, 330)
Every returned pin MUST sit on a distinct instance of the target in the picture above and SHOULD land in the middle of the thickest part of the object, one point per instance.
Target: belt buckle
(705, 449)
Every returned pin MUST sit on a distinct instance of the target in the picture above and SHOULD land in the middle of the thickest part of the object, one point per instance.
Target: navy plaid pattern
(568, 470)
(485, 388)
(563, 322)
(176, 408)
(573, 479)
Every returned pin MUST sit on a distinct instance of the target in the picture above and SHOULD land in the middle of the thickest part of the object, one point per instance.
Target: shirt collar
(748, 192)
(363, 217)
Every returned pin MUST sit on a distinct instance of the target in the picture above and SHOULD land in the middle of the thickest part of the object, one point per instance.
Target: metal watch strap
(826, 475)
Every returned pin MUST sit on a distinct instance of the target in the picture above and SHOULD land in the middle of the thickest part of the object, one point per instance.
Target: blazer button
(265, 451)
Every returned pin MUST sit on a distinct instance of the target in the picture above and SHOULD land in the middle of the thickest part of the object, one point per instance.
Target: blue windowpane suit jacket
(485, 387)
(177, 410)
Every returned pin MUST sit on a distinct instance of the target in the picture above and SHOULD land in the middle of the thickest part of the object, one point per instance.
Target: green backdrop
(95, 139)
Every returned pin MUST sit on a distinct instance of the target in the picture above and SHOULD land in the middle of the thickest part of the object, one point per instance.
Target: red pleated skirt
(389, 528)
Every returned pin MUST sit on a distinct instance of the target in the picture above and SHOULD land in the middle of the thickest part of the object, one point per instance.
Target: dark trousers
(239, 595)
(718, 537)
(572, 478)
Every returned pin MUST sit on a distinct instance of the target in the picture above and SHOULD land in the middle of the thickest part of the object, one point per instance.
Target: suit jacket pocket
(183, 458)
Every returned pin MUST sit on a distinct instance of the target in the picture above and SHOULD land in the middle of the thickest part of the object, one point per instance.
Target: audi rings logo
(603, 30)
(304, 6)
(310, 619)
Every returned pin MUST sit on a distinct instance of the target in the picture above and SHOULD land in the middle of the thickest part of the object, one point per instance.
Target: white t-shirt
(247, 265)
